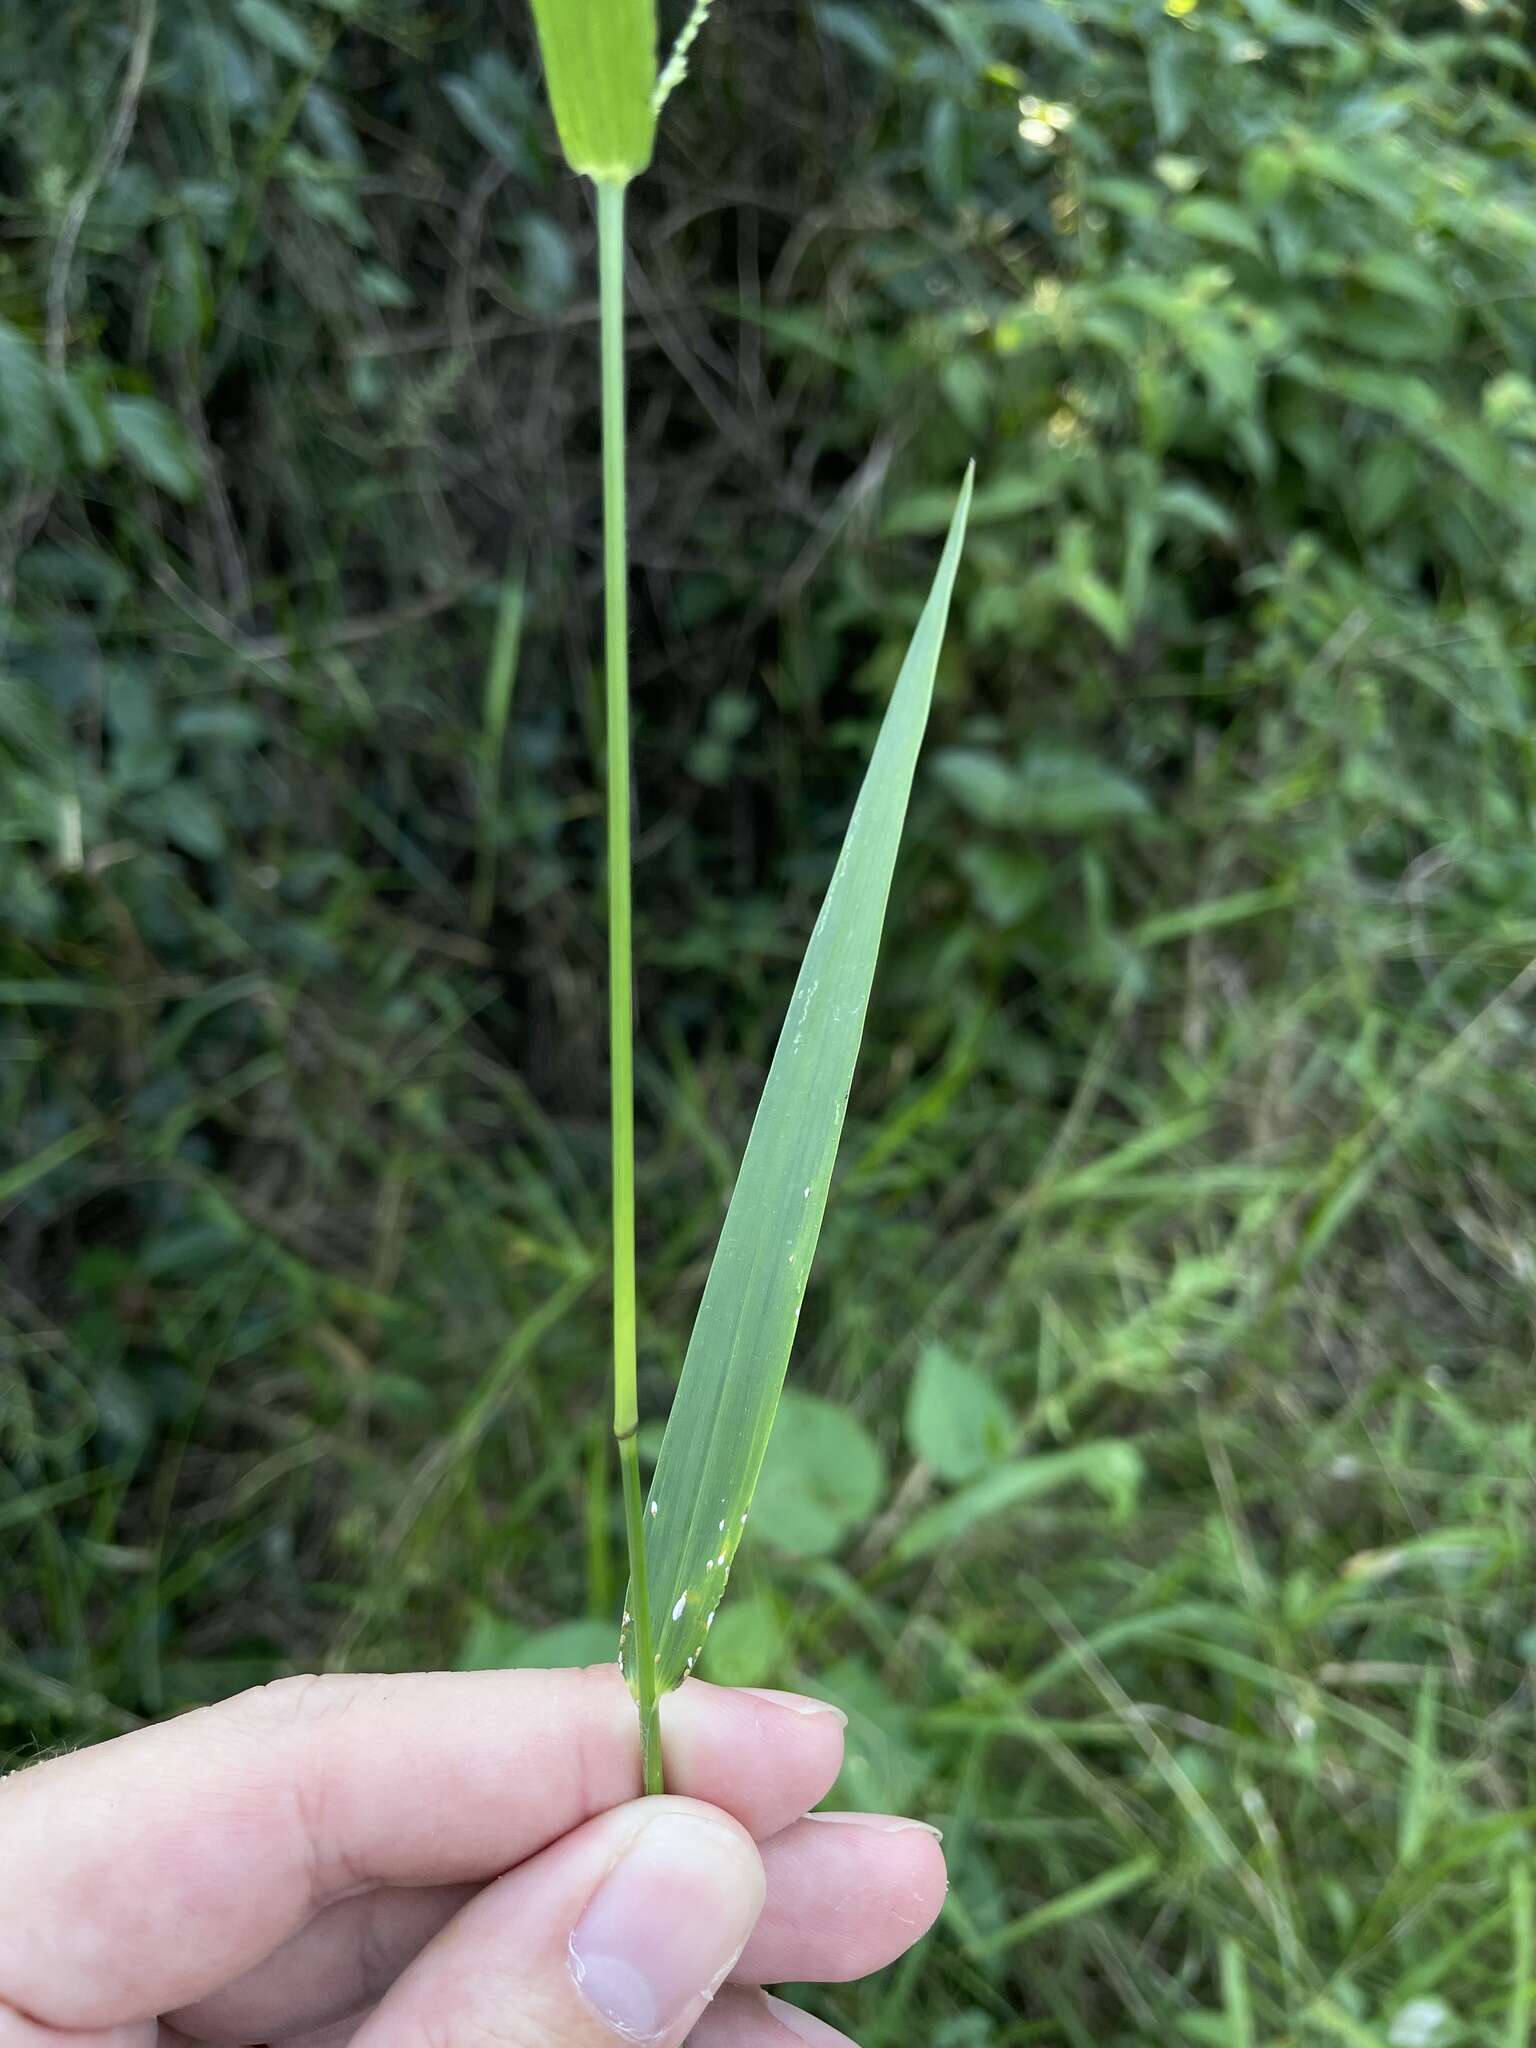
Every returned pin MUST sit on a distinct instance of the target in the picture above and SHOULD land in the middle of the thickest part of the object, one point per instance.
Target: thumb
(621, 1931)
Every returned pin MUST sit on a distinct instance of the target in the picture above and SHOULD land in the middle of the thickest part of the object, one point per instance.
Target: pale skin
(448, 1861)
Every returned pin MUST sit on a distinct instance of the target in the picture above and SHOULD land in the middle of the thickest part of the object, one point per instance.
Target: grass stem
(626, 1412)
(640, 1614)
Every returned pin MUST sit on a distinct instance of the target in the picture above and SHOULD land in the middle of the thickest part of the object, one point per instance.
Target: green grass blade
(1234, 1994)
(1522, 1919)
(734, 1372)
(1416, 1807)
(1091, 1897)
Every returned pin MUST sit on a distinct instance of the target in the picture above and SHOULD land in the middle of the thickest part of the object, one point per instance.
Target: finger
(734, 2018)
(337, 1965)
(17, 2030)
(339, 2035)
(620, 1933)
(140, 1875)
(847, 1894)
(752, 2019)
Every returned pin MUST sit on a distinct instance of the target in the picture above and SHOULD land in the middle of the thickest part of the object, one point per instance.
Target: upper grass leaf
(600, 66)
(734, 1371)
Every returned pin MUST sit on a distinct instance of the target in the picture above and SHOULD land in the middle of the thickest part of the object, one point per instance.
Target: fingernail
(666, 1924)
(796, 1702)
(880, 1823)
(804, 2024)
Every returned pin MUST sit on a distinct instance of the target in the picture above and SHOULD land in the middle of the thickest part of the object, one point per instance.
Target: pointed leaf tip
(733, 1375)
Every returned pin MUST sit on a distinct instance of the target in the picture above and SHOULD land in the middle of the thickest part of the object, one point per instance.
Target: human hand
(447, 1861)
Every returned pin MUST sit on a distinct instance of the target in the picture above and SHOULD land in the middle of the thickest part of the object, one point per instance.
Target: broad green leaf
(1266, 175)
(275, 27)
(233, 725)
(1060, 790)
(1217, 220)
(957, 1421)
(182, 301)
(600, 66)
(1055, 789)
(746, 1645)
(83, 405)
(328, 123)
(883, 1762)
(980, 783)
(1481, 457)
(1179, 173)
(1080, 584)
(143, 755)
(1005, 883)
(493, 1644)
(156, 443)
(27, 438)
(734, 1372)
(31, 722)
(1386, 477)
(822, 1477)
(859, 29)
(1170, 78)
(1191, 506)
(1509, 405)
(496, 106)
(188, 817)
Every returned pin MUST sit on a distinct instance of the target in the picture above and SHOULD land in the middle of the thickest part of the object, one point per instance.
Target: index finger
(141, 1875)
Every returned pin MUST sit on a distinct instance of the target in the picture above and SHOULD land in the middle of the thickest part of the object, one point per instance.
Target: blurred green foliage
(1162, 1501)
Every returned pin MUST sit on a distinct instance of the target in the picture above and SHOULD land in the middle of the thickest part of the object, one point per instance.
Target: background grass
(1189, 1171)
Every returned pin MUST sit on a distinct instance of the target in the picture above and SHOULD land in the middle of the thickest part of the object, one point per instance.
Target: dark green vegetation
(1170, 1531)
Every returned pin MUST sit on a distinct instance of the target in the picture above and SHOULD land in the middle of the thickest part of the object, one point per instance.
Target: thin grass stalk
(500, 680)
(626, 1409)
